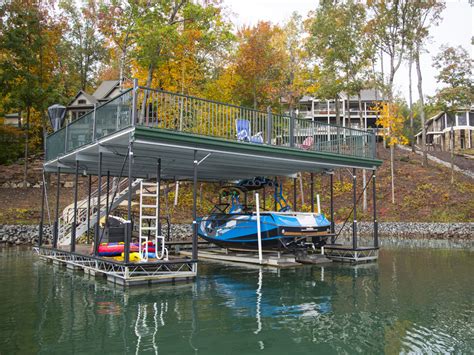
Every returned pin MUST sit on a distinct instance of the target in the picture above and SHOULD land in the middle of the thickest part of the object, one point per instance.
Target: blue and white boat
(237, 228)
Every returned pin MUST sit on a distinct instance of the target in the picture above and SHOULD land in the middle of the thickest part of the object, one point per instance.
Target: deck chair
(307, 144)
(244, 132)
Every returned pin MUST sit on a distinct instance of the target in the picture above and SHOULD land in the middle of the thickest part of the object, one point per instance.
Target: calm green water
(411, 301)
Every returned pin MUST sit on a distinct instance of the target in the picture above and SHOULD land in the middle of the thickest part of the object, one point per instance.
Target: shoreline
(407, 234)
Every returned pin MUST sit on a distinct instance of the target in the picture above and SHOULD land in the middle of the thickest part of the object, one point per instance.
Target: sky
(456, 28)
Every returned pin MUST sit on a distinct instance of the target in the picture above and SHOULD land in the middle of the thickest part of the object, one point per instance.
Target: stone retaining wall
(449, 235)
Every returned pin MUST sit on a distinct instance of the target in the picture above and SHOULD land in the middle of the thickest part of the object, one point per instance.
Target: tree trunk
(410, 102)
(149, 80)
(27, 133)
(392, 170)
(422, 107)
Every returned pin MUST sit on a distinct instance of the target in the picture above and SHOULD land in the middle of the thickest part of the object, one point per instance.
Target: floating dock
(146, 136)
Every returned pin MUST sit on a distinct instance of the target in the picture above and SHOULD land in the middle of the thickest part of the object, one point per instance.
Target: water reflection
(408, 302)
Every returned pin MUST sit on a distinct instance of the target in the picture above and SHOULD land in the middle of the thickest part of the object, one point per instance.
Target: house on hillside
(12, 119)
(349, 112)
(438, 131)
(84, 102)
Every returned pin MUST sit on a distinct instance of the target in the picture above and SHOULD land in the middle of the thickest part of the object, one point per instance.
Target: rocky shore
(449, 235)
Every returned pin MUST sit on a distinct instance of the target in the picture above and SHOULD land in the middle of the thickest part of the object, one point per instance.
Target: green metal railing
(183, 113)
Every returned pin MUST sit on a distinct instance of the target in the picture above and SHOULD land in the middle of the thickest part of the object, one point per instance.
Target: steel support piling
(99, 191)
(128, 231)
(89, 192)
(312, 192)
(376, 223)
(56, 220)
(331, 189)
(294, 194)
(74, 222)
(354, 200)
(195, 178)
(43, 197)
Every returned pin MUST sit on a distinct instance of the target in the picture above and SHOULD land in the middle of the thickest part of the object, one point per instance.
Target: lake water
(412, 300)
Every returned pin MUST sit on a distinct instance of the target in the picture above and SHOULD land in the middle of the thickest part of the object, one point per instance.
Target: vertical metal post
(259, 230)
(292, 129)
(376, 223)
(107, 209)
(195, 178)
(134, 102)
(74, 222)
(312, 192)
(269, 125)
(56, 220)
(264, 198)
(158, 195)
(99, 191)
(94, 124)
(276, 193)
(89, 188)
(331, 189)
(294, 194)
(128, 231)
(354, 201)
(43, 197)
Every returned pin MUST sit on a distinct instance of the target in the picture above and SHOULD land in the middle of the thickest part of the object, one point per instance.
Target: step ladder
(148, 223)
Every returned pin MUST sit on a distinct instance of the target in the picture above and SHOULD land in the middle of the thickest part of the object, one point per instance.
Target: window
(471, 119)
(81, 102)
(462, 119)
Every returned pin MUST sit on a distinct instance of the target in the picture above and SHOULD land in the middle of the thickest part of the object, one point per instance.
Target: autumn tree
(392, 120)
(258, 65)
(28, 39)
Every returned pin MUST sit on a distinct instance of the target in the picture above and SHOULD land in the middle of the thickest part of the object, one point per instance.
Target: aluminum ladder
(148, 223)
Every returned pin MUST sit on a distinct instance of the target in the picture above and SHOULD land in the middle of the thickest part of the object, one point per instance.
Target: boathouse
(145, 136)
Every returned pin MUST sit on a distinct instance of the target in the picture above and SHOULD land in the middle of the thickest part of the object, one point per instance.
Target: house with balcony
(325, 110)
(440, 126)
(84, 102)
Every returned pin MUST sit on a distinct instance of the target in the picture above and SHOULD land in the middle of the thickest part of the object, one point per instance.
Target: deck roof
(225, 160)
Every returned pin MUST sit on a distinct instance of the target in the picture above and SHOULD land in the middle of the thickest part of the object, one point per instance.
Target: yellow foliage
(390, 118)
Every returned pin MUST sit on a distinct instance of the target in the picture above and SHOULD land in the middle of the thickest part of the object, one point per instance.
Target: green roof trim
(206, 142)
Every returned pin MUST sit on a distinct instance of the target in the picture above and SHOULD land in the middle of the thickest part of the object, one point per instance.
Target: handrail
(163, 109)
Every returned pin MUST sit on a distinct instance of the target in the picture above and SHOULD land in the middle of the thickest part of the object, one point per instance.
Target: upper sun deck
(167, 125)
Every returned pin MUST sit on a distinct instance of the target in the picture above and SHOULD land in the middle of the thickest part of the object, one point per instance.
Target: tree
(420, 16)
(455, 74)
(28, 38)
(391, 119)
(85, 45)
(258, 65)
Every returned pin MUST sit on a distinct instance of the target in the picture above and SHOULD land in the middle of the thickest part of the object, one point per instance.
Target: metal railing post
(269, 125)
(94, 124)
(134, 102)
(292, 129)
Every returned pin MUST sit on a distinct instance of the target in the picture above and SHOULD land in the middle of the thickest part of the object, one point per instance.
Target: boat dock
(144, 137)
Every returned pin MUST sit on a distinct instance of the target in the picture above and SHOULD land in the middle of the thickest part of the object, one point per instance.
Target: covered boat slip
(151, 135)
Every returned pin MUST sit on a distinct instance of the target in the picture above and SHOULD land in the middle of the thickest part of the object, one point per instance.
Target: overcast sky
(456, 28)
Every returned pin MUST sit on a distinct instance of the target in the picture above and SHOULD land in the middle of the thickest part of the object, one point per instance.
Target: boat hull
(278, 230)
